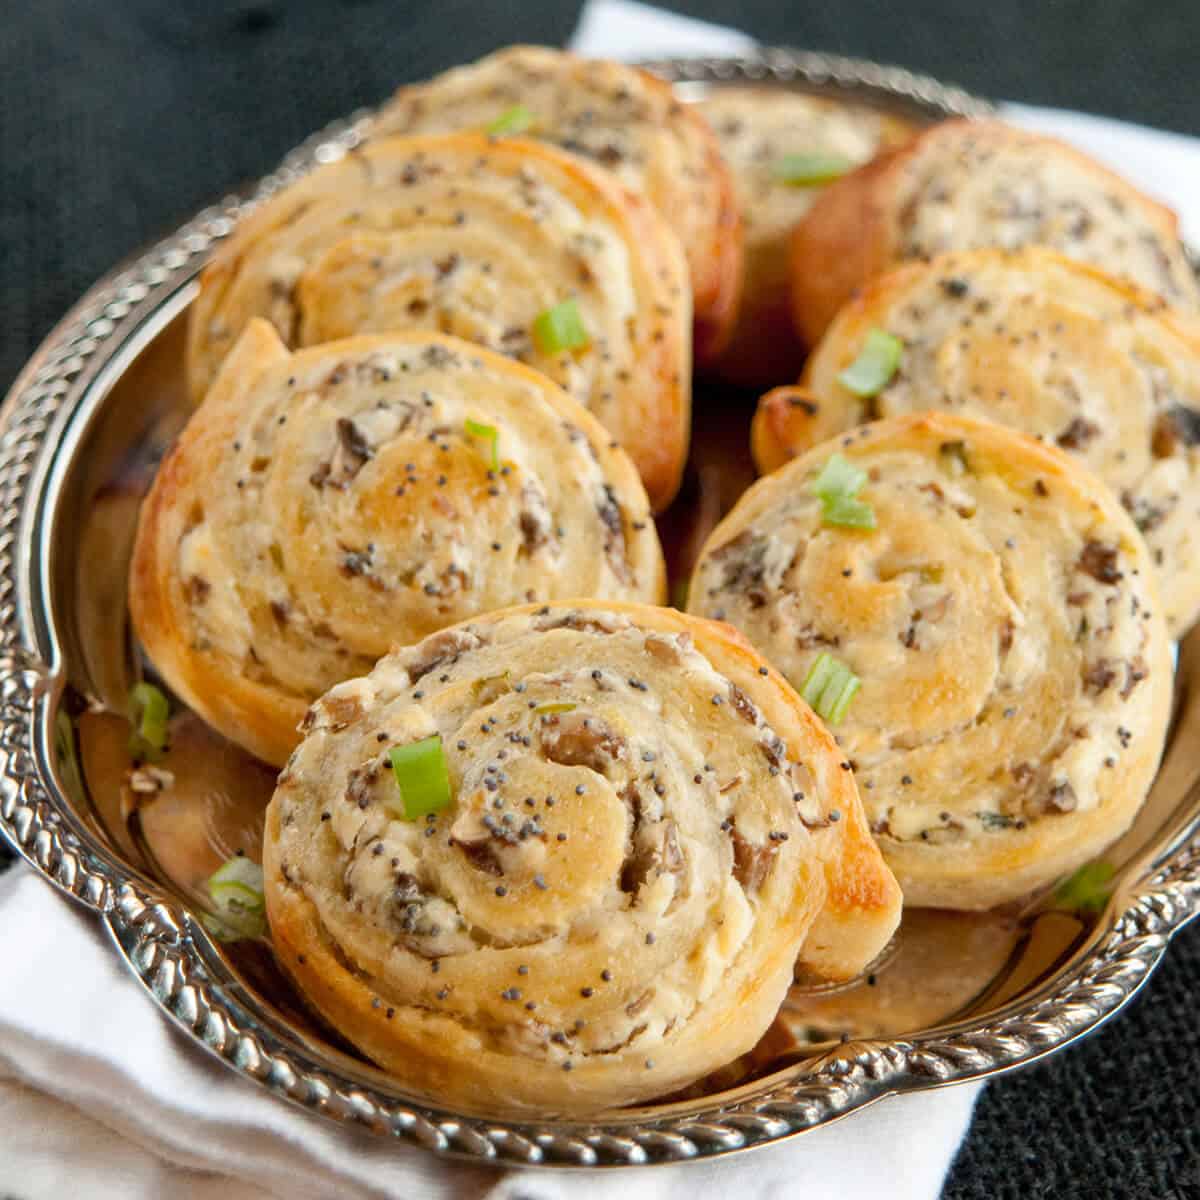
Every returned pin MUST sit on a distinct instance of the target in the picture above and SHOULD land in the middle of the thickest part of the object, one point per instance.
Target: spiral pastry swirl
(624, 120)
(1003, 621)
(645, 828)
(323, 505)
(480, 238)
(1041, 343)
(966, 185)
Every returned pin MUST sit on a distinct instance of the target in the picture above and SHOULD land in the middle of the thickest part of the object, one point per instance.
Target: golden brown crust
(475, 237)
(613, 903)
(783, 426)
(964, 185)
(625, 119)
(842, 242)
(323, 505)
(158, 609)
(1041, 343)
(1003, 620)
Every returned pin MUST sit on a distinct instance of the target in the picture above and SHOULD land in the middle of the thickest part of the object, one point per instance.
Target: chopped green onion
(829, 688)
(560, 328)
(486, 433)
(837, 487)
(845, 510)
(517, 119)
(810, 170)
(559, 706)
(240, 870)
(422, 777)
(839, 479)
(148, 711)
(236, 889)
(240, 877)
(1088, 889)
(875, 365)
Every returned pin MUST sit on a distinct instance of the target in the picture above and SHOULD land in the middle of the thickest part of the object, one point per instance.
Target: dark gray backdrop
(120, 117)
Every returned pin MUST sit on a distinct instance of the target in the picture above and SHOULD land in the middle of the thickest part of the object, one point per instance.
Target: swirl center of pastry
(922, 599)
(502, 861)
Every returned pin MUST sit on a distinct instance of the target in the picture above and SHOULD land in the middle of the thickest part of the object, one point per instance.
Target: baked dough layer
(1004, 621)
(1046, 345)
(647, 827)
(624, 119)
(962, 185)
(473, 237)
(326, 504)
(756, 128)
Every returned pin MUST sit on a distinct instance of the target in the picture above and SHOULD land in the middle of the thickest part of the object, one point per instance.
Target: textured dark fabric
(120, 117)
(1123, 58)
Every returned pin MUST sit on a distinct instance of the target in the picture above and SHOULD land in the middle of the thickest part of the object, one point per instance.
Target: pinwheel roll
(565, 858)
(1041, 343)
(623, 119)
(963, 185)
(782, 148)
(325, 505)
(976, 615)
(513, 245)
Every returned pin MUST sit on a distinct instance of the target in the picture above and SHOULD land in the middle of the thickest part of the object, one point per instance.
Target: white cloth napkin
(75, 1024)
(78, 1036)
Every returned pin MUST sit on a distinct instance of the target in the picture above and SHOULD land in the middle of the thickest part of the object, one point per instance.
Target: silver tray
(78, 435)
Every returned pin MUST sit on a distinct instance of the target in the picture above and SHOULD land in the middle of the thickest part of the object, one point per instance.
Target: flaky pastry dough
(964, 185)
(646, 828)
(1048, 346)
(1004, 622)
(623, 119)
(324, 505)
(474, 237)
